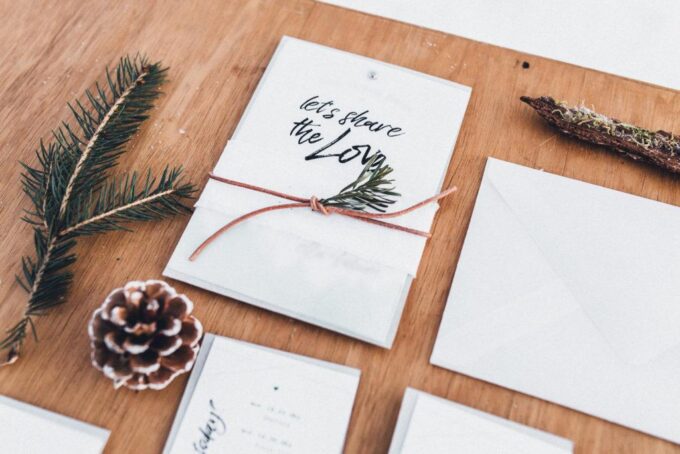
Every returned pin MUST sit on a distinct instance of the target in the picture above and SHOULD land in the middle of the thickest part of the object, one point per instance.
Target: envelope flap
(618, 254)
(503, 284)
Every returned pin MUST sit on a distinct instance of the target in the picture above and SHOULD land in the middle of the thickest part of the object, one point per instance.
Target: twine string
(315, 205)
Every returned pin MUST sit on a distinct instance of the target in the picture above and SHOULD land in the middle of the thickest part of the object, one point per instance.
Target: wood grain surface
(217, 51)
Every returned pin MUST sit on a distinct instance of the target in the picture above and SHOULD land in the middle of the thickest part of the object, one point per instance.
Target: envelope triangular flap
(503, 284)
(614, 251)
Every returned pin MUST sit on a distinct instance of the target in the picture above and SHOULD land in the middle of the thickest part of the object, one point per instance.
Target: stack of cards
(432, 425)
(570, 292)
(316, 119)
(28, 429)
(247, 398)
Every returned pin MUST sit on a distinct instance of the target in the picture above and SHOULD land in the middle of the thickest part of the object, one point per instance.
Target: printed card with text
(246, 398)
(318, 117)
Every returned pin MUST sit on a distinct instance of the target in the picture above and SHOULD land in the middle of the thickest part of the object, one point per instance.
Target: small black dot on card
(525, 65)
(276, 388)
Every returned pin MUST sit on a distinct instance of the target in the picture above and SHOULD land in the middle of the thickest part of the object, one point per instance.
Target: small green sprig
(72, 194)
(372, 189)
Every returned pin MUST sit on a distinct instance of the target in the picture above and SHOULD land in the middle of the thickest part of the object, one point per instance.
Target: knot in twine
(315, 204)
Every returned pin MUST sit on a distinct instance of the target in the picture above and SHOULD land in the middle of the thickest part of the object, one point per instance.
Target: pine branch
(121, 201)
(110, 127)
(70, 194)
(372, 189)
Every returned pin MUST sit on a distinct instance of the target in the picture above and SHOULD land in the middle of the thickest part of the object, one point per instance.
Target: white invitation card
(317, 118)
(243, 397)
(570, 292)
(25, 428)
(430, 424)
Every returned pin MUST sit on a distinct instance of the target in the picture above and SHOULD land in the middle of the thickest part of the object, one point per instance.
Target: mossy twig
(659, 148)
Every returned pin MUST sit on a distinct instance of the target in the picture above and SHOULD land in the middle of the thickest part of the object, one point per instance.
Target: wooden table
(217, 51)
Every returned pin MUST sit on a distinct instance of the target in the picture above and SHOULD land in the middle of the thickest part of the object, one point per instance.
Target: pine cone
(143, 335)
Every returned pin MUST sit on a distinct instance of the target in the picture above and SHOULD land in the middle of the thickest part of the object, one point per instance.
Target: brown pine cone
(143, 335)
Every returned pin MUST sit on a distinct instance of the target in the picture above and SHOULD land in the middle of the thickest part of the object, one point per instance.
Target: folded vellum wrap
(244, 162)
(286, 273)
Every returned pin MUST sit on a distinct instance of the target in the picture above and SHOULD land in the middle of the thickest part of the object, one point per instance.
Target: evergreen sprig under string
(72, 194)
(372, 189)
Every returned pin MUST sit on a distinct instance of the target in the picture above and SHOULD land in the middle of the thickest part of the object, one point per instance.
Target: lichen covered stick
(659, 148)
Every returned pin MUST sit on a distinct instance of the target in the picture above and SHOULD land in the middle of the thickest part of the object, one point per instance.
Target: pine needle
(372, 189)
(72, 195)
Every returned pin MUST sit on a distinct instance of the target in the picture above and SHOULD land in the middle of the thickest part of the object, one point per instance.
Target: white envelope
(28, 429)
(570, 292)
(432, 425)
(336, 272)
